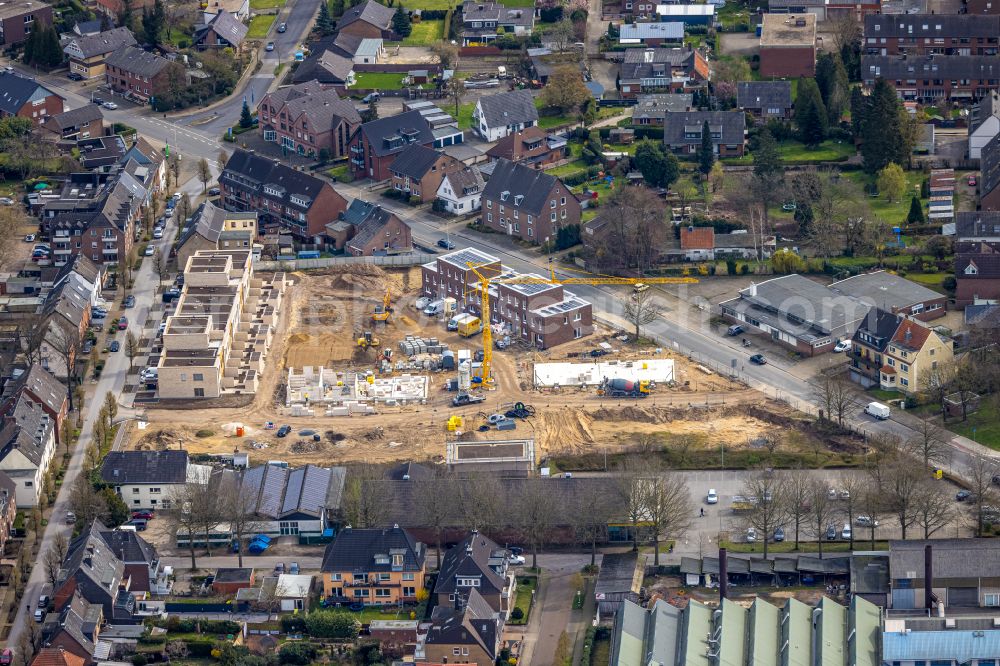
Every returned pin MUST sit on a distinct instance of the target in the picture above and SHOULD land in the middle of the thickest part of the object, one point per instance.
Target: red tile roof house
(380, 233)
(285, 198)
(698, 243)
(308, 118)
(114, 8)
(376, 144)
(26, 98)
(527, 203)
(417, 172)
(19, 18)
(531, 146)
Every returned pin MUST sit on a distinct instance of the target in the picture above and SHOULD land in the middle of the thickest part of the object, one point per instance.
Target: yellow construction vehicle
(484, 279)
(368, 340)
(383, 311)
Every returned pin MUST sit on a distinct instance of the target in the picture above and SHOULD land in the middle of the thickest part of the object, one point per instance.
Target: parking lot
(720, 518)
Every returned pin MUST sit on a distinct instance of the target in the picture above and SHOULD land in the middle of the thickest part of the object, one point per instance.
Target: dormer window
(504, 195)
(300, 200)
(971, 269)
(467, 582)
(381, 559)
(518, 199)
(272, 191)
(397, 559)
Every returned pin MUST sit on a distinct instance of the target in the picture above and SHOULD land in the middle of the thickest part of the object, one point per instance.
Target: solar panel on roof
(314, 489)
(293, 490)
(274, 483)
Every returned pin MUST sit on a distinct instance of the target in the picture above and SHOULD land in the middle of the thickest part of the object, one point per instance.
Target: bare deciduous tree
(53, 563)
(928, 444)
(365, 499)
(902, 481)
(933, 506)
(837, 397)
(482, 506)
(204, 173)
(64, 340)
(668, 506)
(979, 475)
(86, 503)
(630, 487)
(821, 509)
(798, 492)
(199, 511)
(855, 484)
(434, 507)
(535, 513)
(239, 508)
(131, 349)
(590, 514)
(769, 493)
(641, 309)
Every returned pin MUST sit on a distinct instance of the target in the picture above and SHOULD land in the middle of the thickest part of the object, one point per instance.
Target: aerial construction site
(371, 366)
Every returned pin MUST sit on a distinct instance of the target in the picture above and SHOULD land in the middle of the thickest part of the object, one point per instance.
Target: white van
(878, 410)
(434, 309)
(845, 533)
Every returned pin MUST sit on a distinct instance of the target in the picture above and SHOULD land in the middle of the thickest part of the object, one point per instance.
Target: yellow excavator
(485, 375)
(368, 340)
(384, 311)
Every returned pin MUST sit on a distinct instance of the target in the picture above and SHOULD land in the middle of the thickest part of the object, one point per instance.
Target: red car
(972, 181)
(145, 515)
(123, 323)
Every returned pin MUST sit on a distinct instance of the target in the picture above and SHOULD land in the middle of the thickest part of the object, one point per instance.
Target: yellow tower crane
(486, 370)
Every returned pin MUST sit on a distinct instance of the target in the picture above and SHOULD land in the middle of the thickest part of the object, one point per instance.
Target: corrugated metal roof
(269, 503)
(764, 627)
(797, 632)
(832, 632)
(293, 490)
(734, 625)
(698, 625)
(864, 648)
(962, 646)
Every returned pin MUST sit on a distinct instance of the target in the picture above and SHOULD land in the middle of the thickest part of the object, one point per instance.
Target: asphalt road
(298, 16)
(112, 379)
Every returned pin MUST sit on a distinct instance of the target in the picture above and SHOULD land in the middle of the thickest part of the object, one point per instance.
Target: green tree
(324, 24)
(886, 129)
(892, 181)
(589, 111)
(118, 512)
(154, 22)
(916, 214)
(859, 107)
(831, 78)
(336, 7)
(246, 118)
(810, 113)
(401, 22)
(706, 154)
(658, 168)
(767, 164)
(784, 262)
(332, 624)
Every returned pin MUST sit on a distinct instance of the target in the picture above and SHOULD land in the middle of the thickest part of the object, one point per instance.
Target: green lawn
(260, 25)
(576, 166)
(882, 394)
(341, 173)
(464, 114)
(588, 214)
(266, 4)
(795, 152)
(379, 80)
(525, 586)
(983, 425)
(441, 5)
(893, 212)
(425, 33)
(929, 280)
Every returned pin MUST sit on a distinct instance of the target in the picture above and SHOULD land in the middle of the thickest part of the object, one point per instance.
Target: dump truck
(468, 325)
(625, 388)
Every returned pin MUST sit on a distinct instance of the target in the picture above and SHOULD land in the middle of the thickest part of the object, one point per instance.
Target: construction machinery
(625, 388)
(383, 311)
(485, 376)
(368, 340)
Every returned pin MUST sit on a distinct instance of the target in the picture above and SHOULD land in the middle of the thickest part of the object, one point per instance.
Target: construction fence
(395, 261)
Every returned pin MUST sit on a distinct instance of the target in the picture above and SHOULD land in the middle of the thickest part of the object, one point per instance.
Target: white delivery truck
(878, 410)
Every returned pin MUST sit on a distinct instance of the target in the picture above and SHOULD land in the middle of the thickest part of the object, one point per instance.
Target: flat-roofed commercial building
(217, 340)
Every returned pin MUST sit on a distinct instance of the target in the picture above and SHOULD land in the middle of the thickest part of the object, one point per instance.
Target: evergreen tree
(30, 46)
(706, 157)
(916, 215)
(324, 24)
(768, 169)
(105, 22)
(246, 118)
(810, 113)
(401, 22)
(831, 77)
(371, 113)
(657, 167)
(154, 22)
(883, 138)
(850, 57)
(859, 108)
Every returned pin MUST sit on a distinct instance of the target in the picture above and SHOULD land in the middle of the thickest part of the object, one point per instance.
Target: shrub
(293, 624)
(139, 660)
(300, 654)
(204, 432)
(333, 624)
(949, 283)
(517, 613)
(200, 648)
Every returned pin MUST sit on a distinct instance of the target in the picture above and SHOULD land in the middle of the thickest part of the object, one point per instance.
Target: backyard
(260, 25)
(266, 4)
(425, 33)
(526, 586)
(379, 80)
(796, 152)
(893, 212)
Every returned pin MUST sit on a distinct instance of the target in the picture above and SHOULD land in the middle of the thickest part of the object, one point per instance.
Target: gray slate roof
(376, 220)
(472, 557)
(226, 26)
(977, 224)
(886, 290)
(15, 91)
(989, 166)
(325, 67)
(261, 171)
(986, 107)
(355, 550)
(128, 467)
(879, 326)
(103, 42)
(391, 135)
(986, 68)
(137, 61)
(75, 117)
(415, 161)
(764, 95)
(732, 124)
(656, 107)
(509, 108)
(467, 181)
(369, 11)
(322, 106)
(520, 181)
(923, 26)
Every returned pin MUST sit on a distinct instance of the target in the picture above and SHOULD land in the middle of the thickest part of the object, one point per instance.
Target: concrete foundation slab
(591, 374)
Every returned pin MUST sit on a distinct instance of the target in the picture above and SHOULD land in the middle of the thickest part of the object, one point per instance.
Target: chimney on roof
(723, 575)
(928, 578)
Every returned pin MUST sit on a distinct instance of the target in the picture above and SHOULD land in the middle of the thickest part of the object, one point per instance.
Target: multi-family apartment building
(662, 70)
(19, 18)
(87, 53)
(376, 144)
(525, 202)
(138, 74)
(307, 119)
(931, 34)
(543, 315)
(382, 566)
(219, 336)
(94, 216)
(895, 352)
(284, 198)
(417, 171)
(27, 445)
(934, 78)
(788, 46)
(483, 22)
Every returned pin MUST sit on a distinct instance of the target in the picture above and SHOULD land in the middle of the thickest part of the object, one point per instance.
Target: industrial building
(217, 340)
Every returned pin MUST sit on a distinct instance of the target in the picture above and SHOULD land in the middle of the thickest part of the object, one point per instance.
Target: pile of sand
(162, 440)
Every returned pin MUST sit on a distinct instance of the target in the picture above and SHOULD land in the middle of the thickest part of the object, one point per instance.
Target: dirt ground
(322, 319)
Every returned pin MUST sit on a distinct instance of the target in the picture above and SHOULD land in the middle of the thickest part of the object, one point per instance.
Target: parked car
(279, 568)
(758, 359)
(114, 346)
(446, 244)
(779, 535)
(269, 47)
(422, 302)
(74, 76)
(110, 106)
(97, 100)
(6, 201)
(972, 180)
(130, 301)
(157, 233)
(39, 615)
(735, 329)
(150, 249)
(712, 497)
(138, 523)
(122, 323)
(144, 514)
(282, 26)
(842, 346)
(293, 568)
(30, 238)
(845, 532)
(87, 346)
(831, 532)
(751, 535)
(962, 495)
(516, 560)
(284, 430)
(70, 518)
(214, 191)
